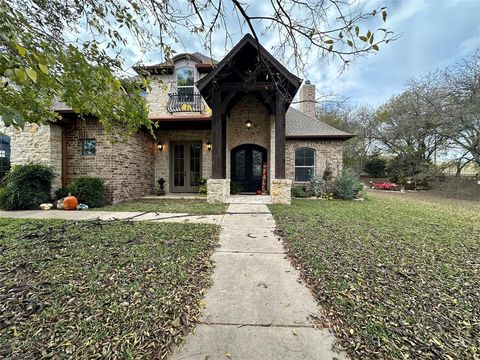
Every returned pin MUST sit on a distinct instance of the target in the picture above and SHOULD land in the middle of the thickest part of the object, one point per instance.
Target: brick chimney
(307, 99)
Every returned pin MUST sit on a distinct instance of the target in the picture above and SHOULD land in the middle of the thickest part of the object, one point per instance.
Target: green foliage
(4, 167)
(202, 188)
(160, 187)
(61, 193)
(236, 187)
(328, 179)
(89, 190)
(375, 166)
(383, 268)
(347, 185)
(316, 186)
(299, 192)
(26, 187)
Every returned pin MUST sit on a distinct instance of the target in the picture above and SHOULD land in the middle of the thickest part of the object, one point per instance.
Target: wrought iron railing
(185, 103)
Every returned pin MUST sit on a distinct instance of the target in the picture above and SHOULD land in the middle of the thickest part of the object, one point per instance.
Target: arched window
(304, 164)
(185, 83)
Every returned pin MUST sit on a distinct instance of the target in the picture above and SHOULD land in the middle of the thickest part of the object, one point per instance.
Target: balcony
(185, 103)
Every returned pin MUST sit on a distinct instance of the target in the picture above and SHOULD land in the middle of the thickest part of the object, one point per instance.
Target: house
(229, 122)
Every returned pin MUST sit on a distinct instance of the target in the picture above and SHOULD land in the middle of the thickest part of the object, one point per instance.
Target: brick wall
(326, 151)
(124, 163)
(251, 108)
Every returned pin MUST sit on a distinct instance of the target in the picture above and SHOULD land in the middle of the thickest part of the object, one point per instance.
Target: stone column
(218, 190)
(280, 191)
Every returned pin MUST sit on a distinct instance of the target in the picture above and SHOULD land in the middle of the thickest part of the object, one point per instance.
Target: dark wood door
(246, 166)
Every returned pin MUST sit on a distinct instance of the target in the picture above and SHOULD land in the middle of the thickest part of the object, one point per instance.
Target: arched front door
(246, 166)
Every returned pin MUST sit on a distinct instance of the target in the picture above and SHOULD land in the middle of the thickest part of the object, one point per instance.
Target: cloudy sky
(435, 34)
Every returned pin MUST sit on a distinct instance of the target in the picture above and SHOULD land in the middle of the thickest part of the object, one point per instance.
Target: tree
(71, 51)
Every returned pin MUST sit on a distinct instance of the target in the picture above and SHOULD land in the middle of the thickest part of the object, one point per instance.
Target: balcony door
(185, 166)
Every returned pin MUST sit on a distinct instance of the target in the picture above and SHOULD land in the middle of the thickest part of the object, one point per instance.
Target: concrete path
(257, 308)
(107, 215)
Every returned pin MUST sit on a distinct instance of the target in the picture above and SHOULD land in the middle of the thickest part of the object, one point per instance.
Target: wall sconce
(248, 124)
(209, 146)
(160, 147)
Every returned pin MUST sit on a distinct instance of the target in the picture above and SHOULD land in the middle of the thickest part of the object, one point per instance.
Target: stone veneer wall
(121, 164)
(326, 151)
(251, 108)
(162, 158)
(37, 143)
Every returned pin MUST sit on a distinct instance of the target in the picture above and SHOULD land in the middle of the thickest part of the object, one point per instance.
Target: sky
(435, 34)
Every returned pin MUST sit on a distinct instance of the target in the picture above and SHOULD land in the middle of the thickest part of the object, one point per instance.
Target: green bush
(61, 193)
(26, 187)
(316, 186)
(299, 192)
(4, 167)
(236, 187)
(347, 186)
(88, 190)
(375, 166)
(202, 186)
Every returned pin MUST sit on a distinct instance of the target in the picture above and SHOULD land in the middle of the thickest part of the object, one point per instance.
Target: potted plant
(161, 187)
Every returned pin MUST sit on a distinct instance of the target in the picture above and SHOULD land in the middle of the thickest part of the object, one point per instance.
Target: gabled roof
(167, 66)
(301, 126)
(248, 39)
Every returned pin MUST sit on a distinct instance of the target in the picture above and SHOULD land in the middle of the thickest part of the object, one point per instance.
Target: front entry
(246, 166)
(185, 167)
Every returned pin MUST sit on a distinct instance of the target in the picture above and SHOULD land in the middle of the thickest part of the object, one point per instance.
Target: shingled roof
(301, 126)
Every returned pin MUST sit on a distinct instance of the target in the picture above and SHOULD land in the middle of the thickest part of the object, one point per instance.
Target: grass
(397, 278)
(100, 289)
(194, 206)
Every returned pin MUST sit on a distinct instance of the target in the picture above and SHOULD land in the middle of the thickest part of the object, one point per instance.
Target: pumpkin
(70, 203)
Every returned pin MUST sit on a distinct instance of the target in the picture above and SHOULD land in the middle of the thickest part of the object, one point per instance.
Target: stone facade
(127, 166)
(250, 108)
(218, 190)
(307, 99)
(281, 191)
(162, 158)
(326, 152)
(37, 143)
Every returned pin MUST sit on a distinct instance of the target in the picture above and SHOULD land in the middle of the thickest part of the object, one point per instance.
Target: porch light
(160, 147)
(209, 146)
(248, 124)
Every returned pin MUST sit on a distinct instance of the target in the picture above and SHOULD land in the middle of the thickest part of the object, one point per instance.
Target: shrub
(299, 192)
(328, 179)
(160, 188)
(202, 186)
(88, 190)
(375, 166)
(26, 187)
(316, 186)
(347, 186)
(4, 167)
(61, 193)
(235, 187)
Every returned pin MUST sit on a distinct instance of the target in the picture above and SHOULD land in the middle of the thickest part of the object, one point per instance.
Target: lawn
(194, 206)
(100, 289)
(397, 278)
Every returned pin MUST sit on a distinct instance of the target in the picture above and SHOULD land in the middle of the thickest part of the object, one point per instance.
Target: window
(3, 153)
(185, 80)
(304, 164)
(89, 147)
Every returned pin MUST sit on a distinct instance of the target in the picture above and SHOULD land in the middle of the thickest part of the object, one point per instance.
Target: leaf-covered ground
(100, 289)
(397, 278)
(194, 206)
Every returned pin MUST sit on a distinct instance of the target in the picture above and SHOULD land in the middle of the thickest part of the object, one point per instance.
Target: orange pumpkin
(70, 203)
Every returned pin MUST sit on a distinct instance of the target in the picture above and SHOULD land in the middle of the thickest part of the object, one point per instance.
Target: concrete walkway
(257, 308)
(109, 215)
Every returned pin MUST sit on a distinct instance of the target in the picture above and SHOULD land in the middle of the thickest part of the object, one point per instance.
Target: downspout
(65, 132)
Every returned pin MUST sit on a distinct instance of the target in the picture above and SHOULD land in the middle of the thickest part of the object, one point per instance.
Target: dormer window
(185, 83)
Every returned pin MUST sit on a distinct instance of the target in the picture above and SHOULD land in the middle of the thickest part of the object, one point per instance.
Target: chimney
(307, 99)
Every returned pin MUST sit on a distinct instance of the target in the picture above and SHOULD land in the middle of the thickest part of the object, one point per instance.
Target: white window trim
(176, 78)
(303, 166)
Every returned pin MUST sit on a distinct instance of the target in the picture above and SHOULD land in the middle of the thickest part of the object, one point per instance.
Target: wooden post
(218, 139)
(280, 110)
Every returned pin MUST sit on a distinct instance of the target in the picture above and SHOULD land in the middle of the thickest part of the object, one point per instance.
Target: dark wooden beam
(218, 139)
(280, 111)
(246, 86)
